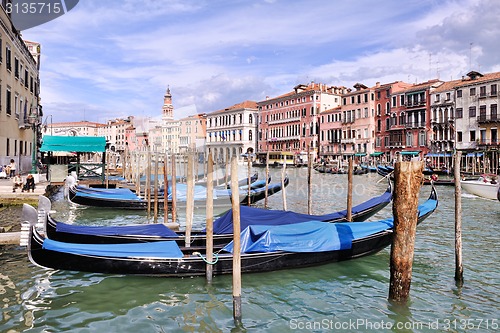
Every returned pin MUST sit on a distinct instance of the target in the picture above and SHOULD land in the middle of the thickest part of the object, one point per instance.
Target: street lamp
(33, 119)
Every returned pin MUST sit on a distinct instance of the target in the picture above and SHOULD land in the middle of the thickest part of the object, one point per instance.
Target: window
(437, 98)
(493, 91)
(472, 111)
(459, 136)
(459, 113)
(8, 60)
(472, 136)
(409, 139)
(459, 93)
(250, 119)
(448, 96)
(8, 101)
(472, 91)
(493, 111)
(16, 68)
(394, 101)
(421, 138)
(482, 91)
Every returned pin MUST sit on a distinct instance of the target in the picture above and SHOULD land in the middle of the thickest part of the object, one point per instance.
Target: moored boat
(223, 226)
(301, 245)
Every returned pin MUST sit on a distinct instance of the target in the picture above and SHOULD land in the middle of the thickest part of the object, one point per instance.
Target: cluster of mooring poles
(407, 182)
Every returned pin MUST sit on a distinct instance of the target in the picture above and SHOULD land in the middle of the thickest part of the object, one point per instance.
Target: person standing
(12, 166)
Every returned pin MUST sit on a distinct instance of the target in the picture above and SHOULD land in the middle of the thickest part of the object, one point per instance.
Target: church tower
(168, 108)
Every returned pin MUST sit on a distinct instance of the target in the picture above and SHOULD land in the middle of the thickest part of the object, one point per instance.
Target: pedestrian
(17, 182)
(30, 184)
(12, 166)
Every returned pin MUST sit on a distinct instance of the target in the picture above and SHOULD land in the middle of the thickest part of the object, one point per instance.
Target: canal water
(348, 296)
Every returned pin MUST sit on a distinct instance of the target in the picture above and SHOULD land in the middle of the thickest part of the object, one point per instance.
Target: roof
(73, 143)
(239, 106)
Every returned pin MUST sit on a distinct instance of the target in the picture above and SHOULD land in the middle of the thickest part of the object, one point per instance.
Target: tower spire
(168, 108)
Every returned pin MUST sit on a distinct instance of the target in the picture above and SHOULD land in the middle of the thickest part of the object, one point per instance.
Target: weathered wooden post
(249, 165)
(174, 188)
(407, 181)
(138, 174)
(309, 182)
(349, 190)
(210, 217)
(283, 189)
(267, 179)
(156, 189)
(148, 181)
(165, 189)
(459, 269)
(235, 199)
(189, 199)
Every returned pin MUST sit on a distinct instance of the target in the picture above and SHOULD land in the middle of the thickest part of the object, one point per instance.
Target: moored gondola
(322, 243)
(222, 226)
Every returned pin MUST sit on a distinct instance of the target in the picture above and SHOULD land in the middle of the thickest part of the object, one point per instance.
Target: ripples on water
(38, 300)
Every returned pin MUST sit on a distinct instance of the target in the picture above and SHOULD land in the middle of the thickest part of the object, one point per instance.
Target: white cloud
(117, 57)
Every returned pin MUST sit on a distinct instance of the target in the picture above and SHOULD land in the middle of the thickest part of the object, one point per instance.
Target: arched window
(250, 119)
(250, 136)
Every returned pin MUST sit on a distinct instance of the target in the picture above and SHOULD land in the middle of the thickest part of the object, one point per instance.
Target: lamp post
(33, 119)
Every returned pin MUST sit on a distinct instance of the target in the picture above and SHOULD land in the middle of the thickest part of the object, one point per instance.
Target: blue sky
(110, 59)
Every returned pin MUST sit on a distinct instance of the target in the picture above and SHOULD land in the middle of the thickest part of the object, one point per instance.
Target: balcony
(284, 138)
(351, 140)
(486, 119)
(415, 125)
(283, 121)
(484, 142)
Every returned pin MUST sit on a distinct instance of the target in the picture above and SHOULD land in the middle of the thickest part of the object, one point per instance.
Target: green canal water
(348, 296)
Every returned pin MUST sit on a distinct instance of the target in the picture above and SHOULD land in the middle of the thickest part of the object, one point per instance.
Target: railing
(493, 118)
(282, 121)
(415, 124)
(494, 142)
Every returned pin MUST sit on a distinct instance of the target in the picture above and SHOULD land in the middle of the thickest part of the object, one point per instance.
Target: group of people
(8, 171)
(24, 186)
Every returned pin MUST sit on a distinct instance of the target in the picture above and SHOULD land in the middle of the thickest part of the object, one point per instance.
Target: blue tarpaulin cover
(73, 143)
(156, 229)
(124, 194)
(167, 249)
(259, 216)
(310, 236)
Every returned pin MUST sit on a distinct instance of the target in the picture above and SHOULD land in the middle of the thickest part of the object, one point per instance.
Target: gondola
(300, 245)
(223, 226)
(126, 199)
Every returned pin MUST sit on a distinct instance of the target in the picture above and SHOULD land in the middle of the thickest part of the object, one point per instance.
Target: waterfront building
(192, 133)
(358, 122)
(476, 119)
(73, 128)
(114, 131)
(290, 124)
(232, 131)
(20, 109)
(331, 133)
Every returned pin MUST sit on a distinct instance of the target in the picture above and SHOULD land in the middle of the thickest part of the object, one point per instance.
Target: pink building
(290, 123)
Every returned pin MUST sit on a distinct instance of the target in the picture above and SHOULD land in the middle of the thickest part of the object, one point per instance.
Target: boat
(439, 182)
(485, 186)
(223, 226)
(498, 194)
(122, 198)
(263, 248)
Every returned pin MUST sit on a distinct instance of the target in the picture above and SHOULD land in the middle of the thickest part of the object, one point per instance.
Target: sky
(112, 59)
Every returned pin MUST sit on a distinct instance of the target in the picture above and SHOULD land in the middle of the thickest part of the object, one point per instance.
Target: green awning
(360, 154)
(377, 153)
(86, 144)
(413, 153)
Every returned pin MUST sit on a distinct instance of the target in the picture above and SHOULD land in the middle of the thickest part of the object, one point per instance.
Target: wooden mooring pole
(349, 190)
(407, 181)
(174, 188)
(165, 189)
(210, 218)
(309, 182)
(235, 199)
(189, 198)
(283, 189)
(267, 180)
(459, 269)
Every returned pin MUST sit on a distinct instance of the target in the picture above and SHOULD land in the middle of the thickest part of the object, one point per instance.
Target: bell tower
(168, 108)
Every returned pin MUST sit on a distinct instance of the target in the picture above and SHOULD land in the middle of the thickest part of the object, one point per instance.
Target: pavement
(6, 193)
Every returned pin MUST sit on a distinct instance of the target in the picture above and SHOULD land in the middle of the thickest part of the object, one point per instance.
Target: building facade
(290, 123)
(20, 111)
(232, 131)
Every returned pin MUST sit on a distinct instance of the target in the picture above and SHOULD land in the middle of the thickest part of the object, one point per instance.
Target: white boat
(485, 186)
